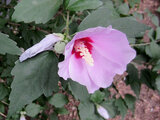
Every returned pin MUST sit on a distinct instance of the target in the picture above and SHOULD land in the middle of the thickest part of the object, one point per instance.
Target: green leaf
(151, 34)
(111, 18)
(1, 69)
(132, 73)
(6, 72)
(97, 97)
(3, 91)
(11, 59)
(158, 82)
(149, 13)
(158, 10)
(124, 24)
(133, 2)
(148, 77)
(121, 107)
(93, 19)
(62, 111)
(158, 33)
(2, 108)
(2, 23)
(141, 57)
(66, 2)
(133, 79)
(32, 78)
(58, 100)
(53, 116)
(130, 101)
(64, 83)
(110, 107)
(123, 9)
(153, 50)
(132, 40)
(8, 46)
(80, 5)
(86, 111)
(107, 93)
(155, 20)
(40, 11)
(79, 91)
(138, 15)
(108, 3)
(157, 66)
(33, 109)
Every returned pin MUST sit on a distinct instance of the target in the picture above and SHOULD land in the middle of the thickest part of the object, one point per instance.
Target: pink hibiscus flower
(94, 56)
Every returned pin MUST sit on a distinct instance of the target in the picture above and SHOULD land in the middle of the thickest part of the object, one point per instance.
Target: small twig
(3, 115)
(67, 24)
(126, 1)
(73, 35)
(37, 28)
(4, 103)
(6, 6)
(143, 44)
(58, 13)
(15, 24)
(44, 31)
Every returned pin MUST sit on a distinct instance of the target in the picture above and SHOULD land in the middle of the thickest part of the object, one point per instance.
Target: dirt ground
(147, 107)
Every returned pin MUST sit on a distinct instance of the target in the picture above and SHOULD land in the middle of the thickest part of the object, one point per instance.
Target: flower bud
(22, 115)
(59, 47)
(103, 112)
(59, 35)
(45, 44)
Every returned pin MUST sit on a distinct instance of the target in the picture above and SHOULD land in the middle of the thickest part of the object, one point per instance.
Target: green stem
(67, 25)
(143, 44)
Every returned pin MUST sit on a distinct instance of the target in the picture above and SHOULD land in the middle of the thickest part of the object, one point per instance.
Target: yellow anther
(84, 52)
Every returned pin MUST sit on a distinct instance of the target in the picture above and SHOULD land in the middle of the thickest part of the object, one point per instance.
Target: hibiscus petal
(45, 44)
(90, 32)
(63, 69)
(78, 72)
(103, 71)
(64, 65)
(114, 46)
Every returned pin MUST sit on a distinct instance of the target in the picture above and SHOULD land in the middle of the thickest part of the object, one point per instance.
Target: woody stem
(143, 44)
(3, 115)
(67, 24)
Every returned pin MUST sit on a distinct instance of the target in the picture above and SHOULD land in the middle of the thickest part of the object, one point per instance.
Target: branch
(4, 103)
(67, 24)
(44, 31)
(3, 115)
(143, 44)
(6, 6)
(37, 28)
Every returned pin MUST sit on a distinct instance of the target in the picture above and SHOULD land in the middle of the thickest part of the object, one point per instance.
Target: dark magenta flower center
(83, 49)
